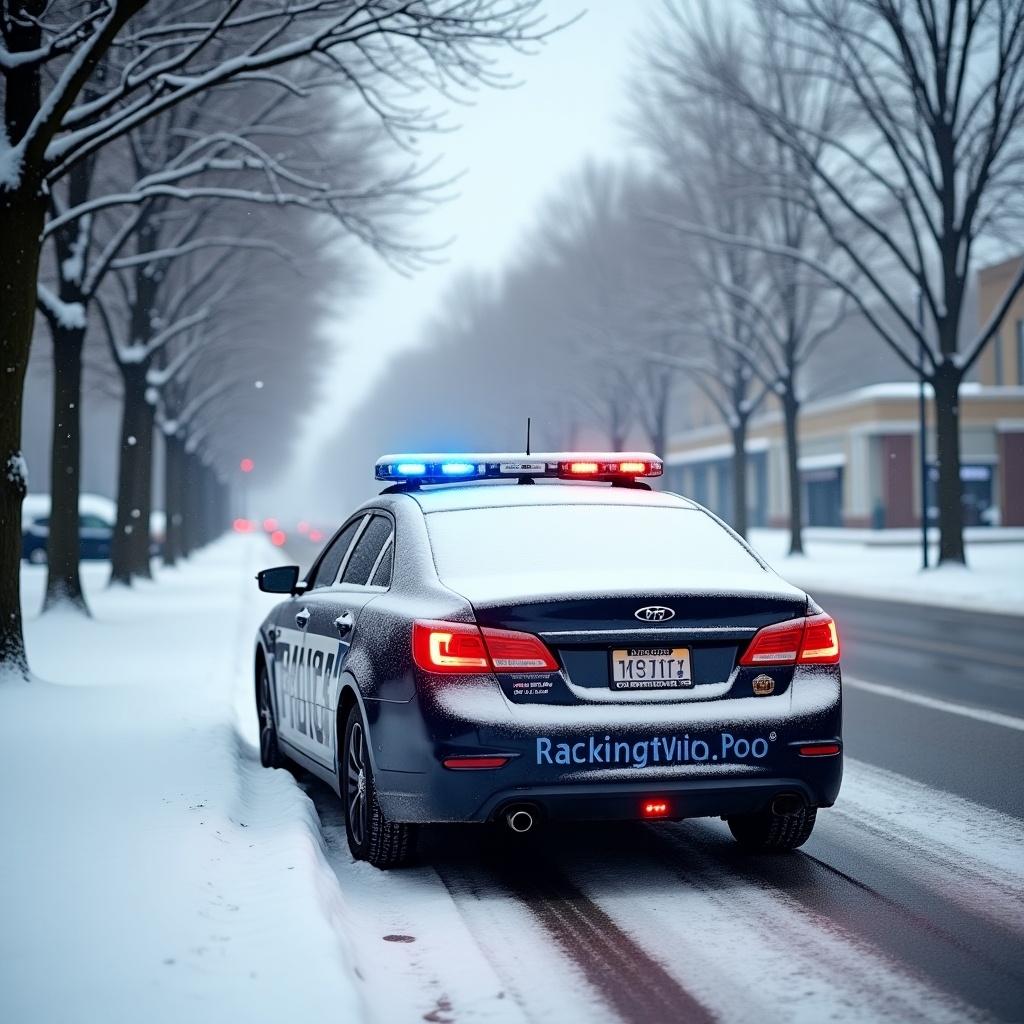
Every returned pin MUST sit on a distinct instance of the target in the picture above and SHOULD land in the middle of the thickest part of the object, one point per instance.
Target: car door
(293, 679)
(333, 621)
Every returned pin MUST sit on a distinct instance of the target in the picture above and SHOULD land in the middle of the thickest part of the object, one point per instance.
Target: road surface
(906, 904)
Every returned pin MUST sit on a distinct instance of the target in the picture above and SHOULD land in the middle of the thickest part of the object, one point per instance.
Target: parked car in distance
(95, 533)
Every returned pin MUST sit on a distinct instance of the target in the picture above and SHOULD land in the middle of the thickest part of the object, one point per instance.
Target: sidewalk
(150, 870)
(993, 581)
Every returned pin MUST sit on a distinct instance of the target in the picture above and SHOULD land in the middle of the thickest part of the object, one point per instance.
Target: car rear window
(581, 540)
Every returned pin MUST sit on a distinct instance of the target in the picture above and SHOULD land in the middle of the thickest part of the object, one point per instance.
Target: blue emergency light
(608, 467)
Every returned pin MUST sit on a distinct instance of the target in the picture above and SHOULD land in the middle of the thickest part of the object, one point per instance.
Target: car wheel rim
(355, 772)
(266, 721)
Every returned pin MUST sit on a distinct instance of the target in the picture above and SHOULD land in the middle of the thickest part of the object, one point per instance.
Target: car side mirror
(282, 579)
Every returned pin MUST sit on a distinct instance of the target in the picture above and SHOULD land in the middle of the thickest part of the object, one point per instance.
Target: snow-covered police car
(470, 649)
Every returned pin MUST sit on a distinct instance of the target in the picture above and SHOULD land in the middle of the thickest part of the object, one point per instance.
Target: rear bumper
(710, 758)
(691, 799)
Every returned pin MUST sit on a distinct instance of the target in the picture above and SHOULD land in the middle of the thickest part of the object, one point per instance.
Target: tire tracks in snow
(867, 924)
(672, 922)
(635, 985)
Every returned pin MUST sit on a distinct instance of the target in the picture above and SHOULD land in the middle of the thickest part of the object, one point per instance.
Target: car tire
(270, 749)
(767, 832)
(371, 837)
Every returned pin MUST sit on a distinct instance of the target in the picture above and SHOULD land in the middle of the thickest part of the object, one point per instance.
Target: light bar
(438, 468)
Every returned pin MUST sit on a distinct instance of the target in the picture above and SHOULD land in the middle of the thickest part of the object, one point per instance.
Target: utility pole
(922, 429)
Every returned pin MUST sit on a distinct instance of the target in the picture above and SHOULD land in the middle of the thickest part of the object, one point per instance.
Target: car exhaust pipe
(787, 803)
(520, 819)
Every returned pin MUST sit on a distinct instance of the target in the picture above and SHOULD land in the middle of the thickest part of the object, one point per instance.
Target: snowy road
(151, 870)
(906, 904)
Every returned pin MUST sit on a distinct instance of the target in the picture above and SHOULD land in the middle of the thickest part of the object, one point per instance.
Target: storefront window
(975, 494)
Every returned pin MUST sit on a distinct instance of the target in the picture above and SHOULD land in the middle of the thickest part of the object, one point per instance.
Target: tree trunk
(739, 477)
(21, 227)
(946, 382)
(141, 536)
(135, 415)
(63, 583)
(188, 485)
(172, 500)
(791, 415)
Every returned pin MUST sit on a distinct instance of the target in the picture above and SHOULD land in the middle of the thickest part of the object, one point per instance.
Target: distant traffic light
(246, 465)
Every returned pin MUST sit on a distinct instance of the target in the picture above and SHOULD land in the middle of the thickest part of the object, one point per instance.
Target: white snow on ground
(939, 836)
(993, 581)
(149, 868)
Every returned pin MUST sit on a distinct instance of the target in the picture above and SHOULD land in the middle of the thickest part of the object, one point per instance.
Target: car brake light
(775, 645)
(809, 641)
(819, 750)
(451, 647)
(462, 647)
(821, 641)
(654, 808)
(517, 652)
(459, 762)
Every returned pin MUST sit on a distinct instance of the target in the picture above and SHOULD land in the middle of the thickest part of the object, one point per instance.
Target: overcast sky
(513, 148)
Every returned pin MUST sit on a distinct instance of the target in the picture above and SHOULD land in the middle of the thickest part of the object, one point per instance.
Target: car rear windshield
(578, 540)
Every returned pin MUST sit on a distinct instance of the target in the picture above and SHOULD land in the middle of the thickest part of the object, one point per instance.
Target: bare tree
(52, 124)
(709, 311)
(215, 155)
(791, 310)
(921, 171)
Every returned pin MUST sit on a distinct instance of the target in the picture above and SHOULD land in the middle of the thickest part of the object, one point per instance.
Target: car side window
(94, 522)
(327, 570)
(382, 574)
(365, 553)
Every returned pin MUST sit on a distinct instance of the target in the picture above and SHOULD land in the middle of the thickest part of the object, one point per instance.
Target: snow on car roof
(449, 498)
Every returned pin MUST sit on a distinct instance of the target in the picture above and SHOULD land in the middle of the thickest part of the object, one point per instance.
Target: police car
(514, 639)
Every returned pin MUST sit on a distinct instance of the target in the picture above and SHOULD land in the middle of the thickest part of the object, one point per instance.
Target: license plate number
(651, 668)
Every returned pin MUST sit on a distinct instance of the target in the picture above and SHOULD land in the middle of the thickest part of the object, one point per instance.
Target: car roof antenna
(527, 479)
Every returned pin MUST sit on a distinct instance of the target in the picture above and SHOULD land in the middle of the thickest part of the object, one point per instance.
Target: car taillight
(517, 652)
(821, 641)
(461, 647)
(452, 647)
(809, 641)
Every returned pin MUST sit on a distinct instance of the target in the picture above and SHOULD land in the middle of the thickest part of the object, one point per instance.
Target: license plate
(651, 668)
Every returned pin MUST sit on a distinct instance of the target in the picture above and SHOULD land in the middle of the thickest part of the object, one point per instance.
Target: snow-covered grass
(993, 581)
(149, 868)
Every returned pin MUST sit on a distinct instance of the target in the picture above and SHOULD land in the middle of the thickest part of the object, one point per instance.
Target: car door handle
(344, 623)
(302, 618)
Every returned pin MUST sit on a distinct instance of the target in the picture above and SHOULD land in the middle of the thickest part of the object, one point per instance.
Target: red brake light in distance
(465, 648)
(809, 641)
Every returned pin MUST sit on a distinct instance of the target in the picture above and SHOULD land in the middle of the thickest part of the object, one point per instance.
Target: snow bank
(150, 868)
(993, 582)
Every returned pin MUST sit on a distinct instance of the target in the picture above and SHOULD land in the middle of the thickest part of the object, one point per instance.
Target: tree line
(816, 171)
(188, 185)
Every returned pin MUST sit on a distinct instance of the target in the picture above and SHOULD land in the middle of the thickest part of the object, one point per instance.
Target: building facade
(859, 451)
